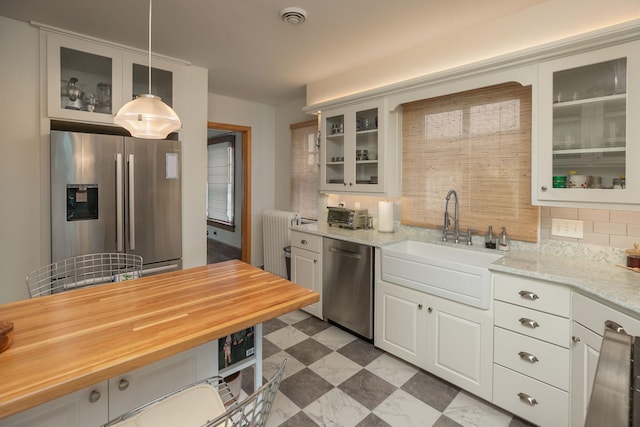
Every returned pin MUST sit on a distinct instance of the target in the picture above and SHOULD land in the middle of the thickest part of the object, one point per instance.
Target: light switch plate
(567, 228)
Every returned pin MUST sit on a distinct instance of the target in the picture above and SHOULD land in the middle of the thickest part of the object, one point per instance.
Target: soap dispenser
(503, 240)
(490, 239)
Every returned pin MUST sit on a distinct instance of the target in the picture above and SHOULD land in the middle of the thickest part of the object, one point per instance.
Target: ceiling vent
(293, 15)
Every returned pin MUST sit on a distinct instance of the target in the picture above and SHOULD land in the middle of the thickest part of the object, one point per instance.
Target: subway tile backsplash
(601, 227)
(615, 229)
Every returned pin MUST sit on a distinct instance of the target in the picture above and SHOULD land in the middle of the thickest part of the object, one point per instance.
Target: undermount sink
(456, 273)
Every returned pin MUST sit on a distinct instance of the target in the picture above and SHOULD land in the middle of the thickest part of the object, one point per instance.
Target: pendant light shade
(147, 116)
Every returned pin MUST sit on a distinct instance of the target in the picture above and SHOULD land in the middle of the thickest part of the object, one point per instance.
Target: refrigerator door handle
(132, 211)
(119, 210)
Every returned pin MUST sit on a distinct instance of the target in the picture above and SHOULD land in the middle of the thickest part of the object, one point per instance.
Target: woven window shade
(479, 144)
(305, 169)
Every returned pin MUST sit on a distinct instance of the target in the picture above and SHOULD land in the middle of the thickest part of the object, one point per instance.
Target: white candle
(385, 217)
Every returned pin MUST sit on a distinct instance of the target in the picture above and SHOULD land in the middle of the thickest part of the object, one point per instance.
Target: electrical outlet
(567, 228)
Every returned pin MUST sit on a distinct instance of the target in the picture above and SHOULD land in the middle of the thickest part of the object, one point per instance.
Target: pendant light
(147, 116)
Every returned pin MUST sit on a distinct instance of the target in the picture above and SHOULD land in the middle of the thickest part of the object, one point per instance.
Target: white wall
(546, 22)
(261, 119)
(20, 158)
(194, 168)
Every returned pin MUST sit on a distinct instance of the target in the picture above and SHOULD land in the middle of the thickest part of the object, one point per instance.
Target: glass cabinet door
(585, 149)
(366, 151)
(589, 125)
(334, 153)
(84, 79)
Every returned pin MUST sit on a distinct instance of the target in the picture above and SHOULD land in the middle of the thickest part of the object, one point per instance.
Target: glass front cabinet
(89, 81)
(589, 132)
(352, 155)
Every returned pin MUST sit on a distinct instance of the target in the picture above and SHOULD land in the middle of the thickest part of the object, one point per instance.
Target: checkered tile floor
(333, 378)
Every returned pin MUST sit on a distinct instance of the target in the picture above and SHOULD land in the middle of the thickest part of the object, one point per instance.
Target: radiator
(275, 236)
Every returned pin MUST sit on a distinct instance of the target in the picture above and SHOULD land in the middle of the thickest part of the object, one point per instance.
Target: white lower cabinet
(306, 266)
(532, 334)
(97, 404)
(448, 339)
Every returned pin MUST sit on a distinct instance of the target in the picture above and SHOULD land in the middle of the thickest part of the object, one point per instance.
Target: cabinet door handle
(543, 188)
(94, 396)
(528, 322)
(123, 384)
(419, 306)
(303, 241)
(527, 399)
(575, 339)
(430, 309)
(528, 357)
(528, 295)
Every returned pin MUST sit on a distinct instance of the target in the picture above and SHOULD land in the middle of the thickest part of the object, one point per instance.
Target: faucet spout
(447, 217)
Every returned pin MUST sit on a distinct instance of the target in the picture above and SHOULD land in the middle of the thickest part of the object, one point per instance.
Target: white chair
(82, 271)
(206, 403)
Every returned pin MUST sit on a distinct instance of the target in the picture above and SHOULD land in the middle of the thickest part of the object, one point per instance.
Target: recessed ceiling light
(293, 15)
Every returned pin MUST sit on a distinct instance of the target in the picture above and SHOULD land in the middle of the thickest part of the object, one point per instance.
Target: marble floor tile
(432, 390)
(282, 410)
(311, 325)
(402, 409)
(335, 368)
(334, 338)
(471, 412)
(392, 369)
(304, 387)
(335, 408)
(308, 351)
(271, 364)
(294, 316)
(272, 326)
(360, 352)
(286, 337)
(372, 420)
(367, 388)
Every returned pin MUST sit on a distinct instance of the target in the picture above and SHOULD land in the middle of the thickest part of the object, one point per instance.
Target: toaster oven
(347, 218)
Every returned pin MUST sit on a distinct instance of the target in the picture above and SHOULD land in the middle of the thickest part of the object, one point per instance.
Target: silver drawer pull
(94, 396)
(528, 357)
(527, 399)
(528, 295)
(610, 324)
(528, 322)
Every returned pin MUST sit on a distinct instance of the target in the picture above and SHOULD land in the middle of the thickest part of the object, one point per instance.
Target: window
(479, 144)
(220, 180)
(305, 169)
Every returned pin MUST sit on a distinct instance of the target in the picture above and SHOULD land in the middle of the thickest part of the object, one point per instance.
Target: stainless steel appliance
(347, 218)
(112, 193)
(615, 397)
(347, 285)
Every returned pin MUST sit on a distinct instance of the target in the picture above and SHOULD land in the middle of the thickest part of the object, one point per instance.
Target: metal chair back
(191, 406)
(82, 271)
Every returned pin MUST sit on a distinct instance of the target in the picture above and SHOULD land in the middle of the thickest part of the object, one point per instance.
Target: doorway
(222, 239)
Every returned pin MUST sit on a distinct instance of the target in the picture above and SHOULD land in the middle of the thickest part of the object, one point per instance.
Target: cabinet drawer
(593, 315)
(310, 242)
(543, 326)
(532, 293)
(546, 362)
(510, 391)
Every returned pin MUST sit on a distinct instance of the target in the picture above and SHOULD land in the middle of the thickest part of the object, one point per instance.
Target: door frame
(246, 184)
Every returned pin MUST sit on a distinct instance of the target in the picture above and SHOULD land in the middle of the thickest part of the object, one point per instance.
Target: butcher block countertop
(70, 341)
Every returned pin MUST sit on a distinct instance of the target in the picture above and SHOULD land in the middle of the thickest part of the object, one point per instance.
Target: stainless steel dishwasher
(347, 285)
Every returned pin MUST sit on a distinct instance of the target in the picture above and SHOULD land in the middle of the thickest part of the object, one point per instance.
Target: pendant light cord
(150, 1)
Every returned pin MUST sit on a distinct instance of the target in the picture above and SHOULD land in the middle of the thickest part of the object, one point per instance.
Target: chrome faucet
(456, 220)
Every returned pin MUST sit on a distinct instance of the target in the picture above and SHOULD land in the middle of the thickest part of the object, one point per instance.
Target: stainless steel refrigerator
(116, 194)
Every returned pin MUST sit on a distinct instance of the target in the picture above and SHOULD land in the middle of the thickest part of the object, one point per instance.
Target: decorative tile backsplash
(611, 229)
(615, 229)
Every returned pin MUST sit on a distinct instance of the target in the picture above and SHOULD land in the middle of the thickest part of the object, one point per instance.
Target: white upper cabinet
(354, 149)
(588, 141)
(89, 81)
(81, 77)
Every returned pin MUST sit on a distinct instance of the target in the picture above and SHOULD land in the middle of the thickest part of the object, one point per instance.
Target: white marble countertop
(591, 270)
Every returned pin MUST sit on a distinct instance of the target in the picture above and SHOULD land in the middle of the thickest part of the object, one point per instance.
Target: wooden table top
(70, 341)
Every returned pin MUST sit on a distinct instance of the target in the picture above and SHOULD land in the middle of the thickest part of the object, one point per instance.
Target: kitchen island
(70, 341)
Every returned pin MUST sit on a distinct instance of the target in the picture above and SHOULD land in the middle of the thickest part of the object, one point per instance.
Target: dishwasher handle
(350, 254)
